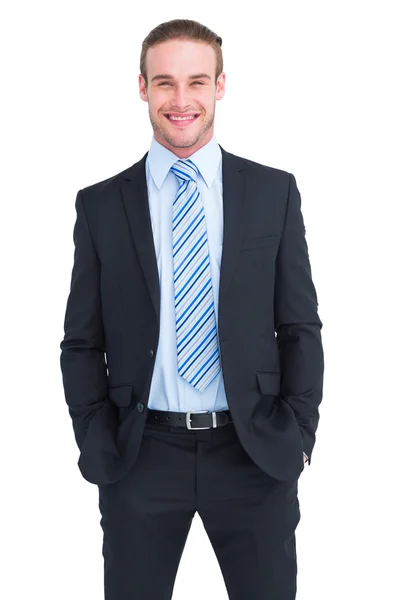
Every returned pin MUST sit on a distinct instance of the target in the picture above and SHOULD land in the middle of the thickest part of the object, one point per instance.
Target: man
(192, 359)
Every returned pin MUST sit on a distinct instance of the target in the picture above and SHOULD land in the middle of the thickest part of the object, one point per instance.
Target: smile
(181, 121)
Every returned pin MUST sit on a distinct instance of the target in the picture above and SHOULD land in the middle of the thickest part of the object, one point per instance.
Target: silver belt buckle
(190, 412)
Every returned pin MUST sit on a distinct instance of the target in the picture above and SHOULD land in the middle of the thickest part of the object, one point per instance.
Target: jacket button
(140, 406)
(151, 352)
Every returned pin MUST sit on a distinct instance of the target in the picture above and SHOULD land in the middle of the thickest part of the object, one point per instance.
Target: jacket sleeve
(297, 324)
(83, 364)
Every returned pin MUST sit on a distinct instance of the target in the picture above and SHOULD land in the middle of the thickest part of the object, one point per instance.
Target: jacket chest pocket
(249, 243)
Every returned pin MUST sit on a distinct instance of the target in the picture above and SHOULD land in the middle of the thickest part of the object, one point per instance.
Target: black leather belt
(191, 420)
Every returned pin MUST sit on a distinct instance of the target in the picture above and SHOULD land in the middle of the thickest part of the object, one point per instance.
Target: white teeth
(181, 118)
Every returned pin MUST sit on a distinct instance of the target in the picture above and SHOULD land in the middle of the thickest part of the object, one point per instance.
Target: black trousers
(250, 518)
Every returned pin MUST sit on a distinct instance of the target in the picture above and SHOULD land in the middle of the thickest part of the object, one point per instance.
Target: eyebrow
(198, 76)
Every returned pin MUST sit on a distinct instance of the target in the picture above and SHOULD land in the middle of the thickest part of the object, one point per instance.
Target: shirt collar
(207, 160)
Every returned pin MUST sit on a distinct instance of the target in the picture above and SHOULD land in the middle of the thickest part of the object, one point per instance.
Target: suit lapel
(135, 198)
(233, 188)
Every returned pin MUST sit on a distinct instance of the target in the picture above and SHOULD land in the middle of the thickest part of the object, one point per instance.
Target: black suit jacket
(268, 324)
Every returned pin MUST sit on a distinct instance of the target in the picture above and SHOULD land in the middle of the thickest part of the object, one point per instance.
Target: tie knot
(185, 169)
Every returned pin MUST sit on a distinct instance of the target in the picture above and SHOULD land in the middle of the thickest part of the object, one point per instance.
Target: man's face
(178, 94)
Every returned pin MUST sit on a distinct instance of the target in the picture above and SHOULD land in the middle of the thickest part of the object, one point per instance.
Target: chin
(182, 143)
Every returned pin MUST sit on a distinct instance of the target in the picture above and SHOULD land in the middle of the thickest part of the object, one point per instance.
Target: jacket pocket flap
(121, 395)
(269, 383)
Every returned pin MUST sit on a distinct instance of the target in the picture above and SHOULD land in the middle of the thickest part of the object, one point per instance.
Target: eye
(164, 82)
(200, 82)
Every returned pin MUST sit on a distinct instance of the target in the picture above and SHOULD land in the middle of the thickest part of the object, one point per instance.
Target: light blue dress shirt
(169, 391)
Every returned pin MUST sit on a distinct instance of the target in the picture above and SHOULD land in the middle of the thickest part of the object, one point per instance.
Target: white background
(310, 88)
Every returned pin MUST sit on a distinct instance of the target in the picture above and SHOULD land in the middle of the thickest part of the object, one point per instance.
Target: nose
(180, 97)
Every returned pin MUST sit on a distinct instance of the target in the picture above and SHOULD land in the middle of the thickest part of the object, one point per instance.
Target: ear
(220, 90)
(142, 89)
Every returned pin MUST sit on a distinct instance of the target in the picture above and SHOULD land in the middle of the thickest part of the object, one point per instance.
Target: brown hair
(183, 29)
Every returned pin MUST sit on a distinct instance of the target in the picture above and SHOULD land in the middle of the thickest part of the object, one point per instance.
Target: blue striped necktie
(196, 330)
